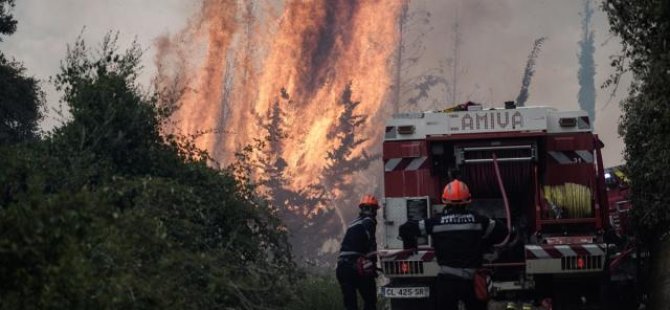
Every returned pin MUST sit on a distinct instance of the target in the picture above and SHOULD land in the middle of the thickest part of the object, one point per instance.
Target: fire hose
(507, 210)
(505, 201)
(618, 259)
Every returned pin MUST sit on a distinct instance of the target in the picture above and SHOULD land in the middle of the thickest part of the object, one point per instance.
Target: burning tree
(342, 166)
(234, 56)
(313, 214)
(303, 210)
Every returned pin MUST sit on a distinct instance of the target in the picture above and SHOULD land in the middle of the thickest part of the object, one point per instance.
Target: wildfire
(234, 57)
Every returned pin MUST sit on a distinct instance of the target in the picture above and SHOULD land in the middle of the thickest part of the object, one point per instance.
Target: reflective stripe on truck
(573, 258)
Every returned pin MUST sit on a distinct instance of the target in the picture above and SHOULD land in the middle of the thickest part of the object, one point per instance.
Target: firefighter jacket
(359, 240)
(460, 236)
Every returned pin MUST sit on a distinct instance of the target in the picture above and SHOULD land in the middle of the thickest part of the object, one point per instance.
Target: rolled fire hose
(504, 194)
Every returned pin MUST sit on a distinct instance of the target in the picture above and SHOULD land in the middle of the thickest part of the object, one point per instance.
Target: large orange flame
(235, 56)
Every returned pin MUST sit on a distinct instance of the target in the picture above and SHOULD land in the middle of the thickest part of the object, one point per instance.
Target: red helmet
(456, 193)
(368, 200)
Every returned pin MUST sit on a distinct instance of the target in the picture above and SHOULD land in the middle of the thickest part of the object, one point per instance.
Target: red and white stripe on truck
(566, 258)
(409, 263)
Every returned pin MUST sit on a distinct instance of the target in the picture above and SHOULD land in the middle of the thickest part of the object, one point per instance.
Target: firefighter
(356, 264)
(460, 238)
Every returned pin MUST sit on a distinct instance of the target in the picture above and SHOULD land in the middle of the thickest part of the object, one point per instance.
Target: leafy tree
(644, 29)
(21, 103)
(107, 211)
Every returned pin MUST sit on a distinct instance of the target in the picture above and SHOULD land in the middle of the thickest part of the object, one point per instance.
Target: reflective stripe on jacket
(460, 236)
(359, 239)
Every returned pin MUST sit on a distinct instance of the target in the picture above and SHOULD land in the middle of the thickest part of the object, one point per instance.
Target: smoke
(494, 36)
(528, 72)
(587, 69)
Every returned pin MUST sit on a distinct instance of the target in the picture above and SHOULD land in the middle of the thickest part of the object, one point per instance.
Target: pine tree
(342, 166)
(587, 67)
(301, 210)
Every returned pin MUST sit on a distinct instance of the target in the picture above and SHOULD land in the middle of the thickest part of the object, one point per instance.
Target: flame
(234, 57)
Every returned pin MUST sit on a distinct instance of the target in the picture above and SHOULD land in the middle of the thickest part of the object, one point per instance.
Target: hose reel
(475, 163)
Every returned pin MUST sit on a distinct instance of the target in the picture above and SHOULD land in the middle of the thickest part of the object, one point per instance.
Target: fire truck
(618, 192)
(537, 169)
(629, 265)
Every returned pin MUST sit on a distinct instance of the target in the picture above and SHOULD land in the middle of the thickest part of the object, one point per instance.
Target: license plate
(405, 292)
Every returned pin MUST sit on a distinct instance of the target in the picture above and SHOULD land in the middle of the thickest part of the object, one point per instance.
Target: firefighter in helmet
(460, 238)
(356, 264)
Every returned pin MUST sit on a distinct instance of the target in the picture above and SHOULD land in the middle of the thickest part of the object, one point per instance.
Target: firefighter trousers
(451, 289)
(350, 282)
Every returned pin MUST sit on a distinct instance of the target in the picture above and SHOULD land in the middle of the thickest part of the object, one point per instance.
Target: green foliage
(108, 212)
(111, 118)
(21, 103)
(317, 291)
(21, 99)
(644, 27)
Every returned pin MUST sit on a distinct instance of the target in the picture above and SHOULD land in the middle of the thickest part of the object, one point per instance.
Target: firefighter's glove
(409, 230)
(408, 233)
(366, 267)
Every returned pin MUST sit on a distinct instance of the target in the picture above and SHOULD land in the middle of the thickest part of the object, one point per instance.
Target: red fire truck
(549, 169)
(618, 192)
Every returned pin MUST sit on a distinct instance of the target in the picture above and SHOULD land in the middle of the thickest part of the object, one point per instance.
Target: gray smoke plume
(528, 72)
(587, 67)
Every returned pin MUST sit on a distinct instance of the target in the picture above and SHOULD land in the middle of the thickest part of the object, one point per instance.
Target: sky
(46, 27)
(496, 37)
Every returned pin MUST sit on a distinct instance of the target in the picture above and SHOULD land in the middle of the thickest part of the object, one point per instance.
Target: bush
(317, 291)
(108, 212)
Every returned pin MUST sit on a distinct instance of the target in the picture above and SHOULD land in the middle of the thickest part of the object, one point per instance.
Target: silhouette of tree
(587, 67)
(408, 54)
(341, 164)
(21, 99)
(302, 211)
(643, 27)
(528, 72)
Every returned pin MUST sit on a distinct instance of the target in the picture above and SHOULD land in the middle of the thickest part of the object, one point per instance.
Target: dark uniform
(460, 237)
(359, 241)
